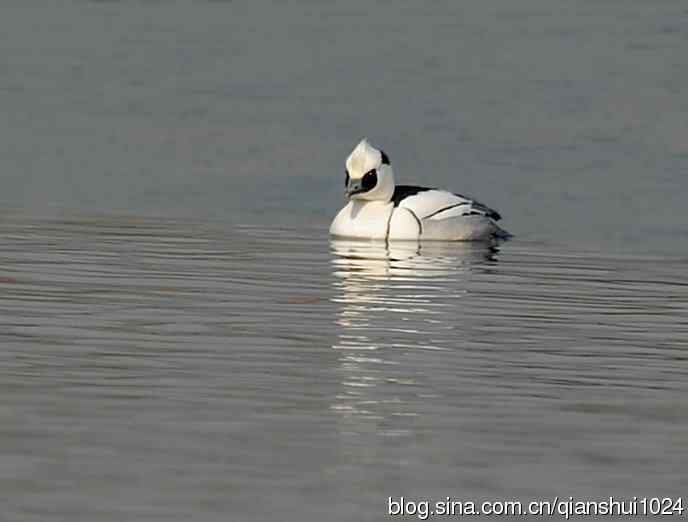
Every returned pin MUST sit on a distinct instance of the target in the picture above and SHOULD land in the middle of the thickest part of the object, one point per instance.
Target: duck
(378, 208)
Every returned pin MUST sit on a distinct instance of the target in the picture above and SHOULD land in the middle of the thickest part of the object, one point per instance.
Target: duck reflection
(398, 303)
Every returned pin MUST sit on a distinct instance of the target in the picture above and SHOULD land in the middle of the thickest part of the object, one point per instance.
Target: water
(167, 370)
(179, 338)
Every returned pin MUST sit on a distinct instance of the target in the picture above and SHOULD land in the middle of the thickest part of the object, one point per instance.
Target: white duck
(379, 209)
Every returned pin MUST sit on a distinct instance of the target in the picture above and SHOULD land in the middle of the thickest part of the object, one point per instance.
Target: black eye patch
(346, 180)
(369, 180)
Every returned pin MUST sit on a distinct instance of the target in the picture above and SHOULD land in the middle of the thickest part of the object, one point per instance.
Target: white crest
(363, 158)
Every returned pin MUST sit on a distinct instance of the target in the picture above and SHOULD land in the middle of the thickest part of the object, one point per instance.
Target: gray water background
(179, 338)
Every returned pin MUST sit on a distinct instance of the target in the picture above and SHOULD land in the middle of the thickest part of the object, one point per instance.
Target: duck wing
(435, 204)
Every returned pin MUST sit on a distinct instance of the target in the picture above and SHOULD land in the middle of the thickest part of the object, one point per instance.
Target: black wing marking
(405, 191)
(473, 208)
(449, 207)
(479, 208)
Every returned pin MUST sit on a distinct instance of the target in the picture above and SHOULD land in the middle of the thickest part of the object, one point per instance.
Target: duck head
(369, 175)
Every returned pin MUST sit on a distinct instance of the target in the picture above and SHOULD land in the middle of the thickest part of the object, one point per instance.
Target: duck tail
(502, 234)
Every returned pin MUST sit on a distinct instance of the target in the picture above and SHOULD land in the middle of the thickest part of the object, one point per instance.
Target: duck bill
(354, 187)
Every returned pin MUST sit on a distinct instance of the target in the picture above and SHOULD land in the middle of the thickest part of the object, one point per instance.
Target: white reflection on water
(395, 300)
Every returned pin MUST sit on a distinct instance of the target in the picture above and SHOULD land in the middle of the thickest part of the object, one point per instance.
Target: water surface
(164, 370)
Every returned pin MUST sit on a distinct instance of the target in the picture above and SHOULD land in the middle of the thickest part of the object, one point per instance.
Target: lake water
(181, 340)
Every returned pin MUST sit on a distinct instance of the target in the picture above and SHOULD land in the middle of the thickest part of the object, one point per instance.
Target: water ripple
(134, 347)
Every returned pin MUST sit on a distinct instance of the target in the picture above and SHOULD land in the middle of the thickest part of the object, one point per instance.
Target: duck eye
(369, 180)
(346, 180)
